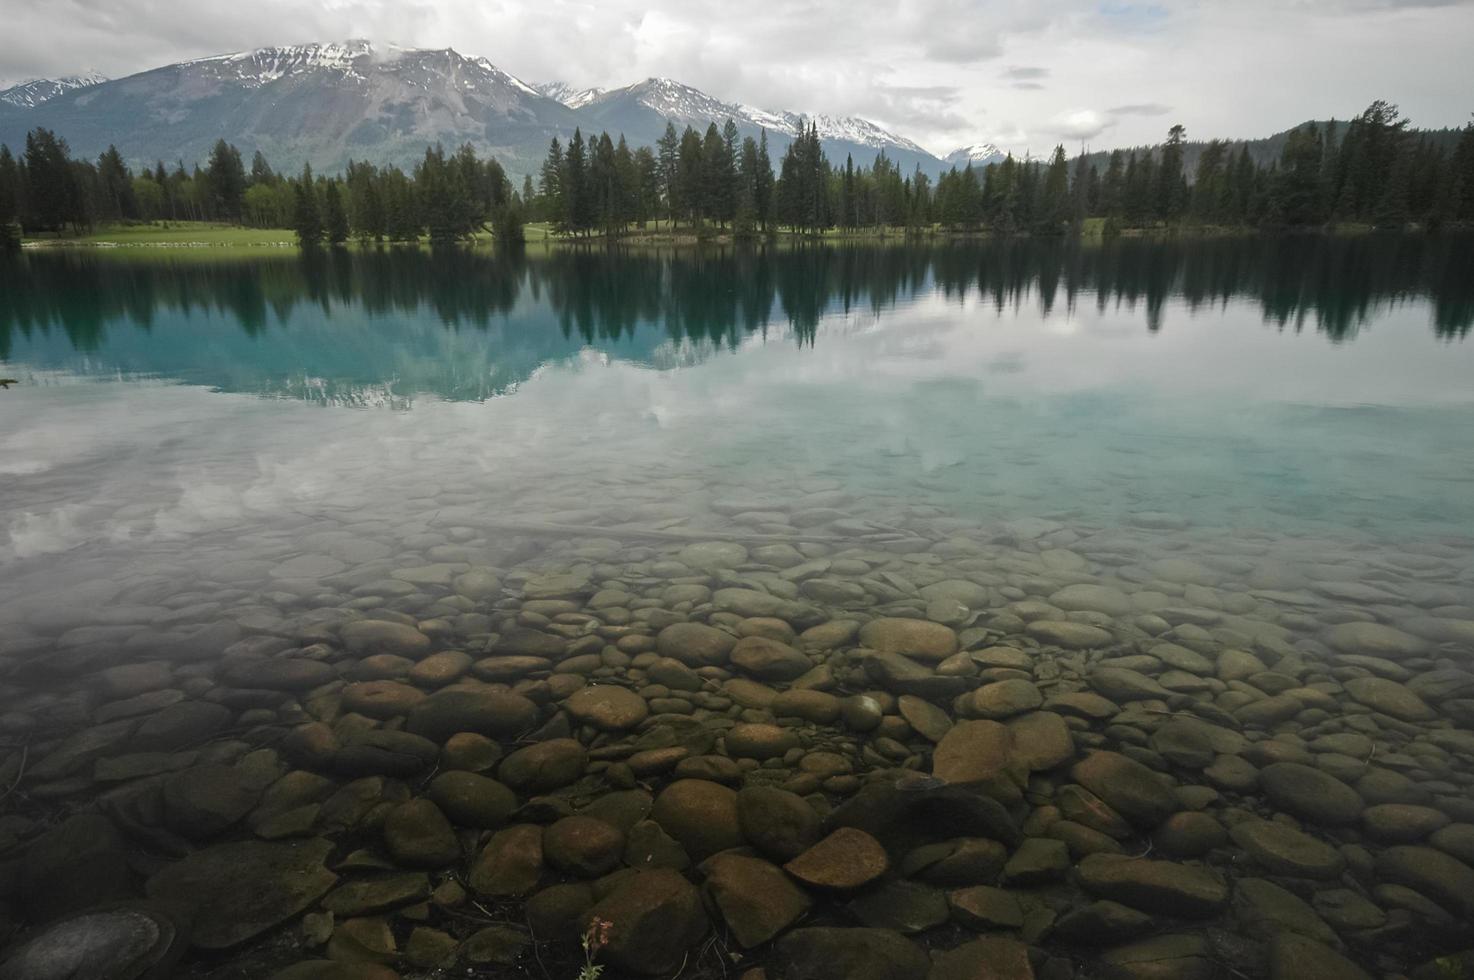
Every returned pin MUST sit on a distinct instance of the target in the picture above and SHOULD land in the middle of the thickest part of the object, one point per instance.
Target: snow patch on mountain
(569, 95)
(684, 105)
(978, 154)
(31, 93)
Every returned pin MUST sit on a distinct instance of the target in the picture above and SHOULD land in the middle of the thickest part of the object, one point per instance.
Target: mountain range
(329, 103)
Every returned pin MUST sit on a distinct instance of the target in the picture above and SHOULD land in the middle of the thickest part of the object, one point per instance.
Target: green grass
(180, 233)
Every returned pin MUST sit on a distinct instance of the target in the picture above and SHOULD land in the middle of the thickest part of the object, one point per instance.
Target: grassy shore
(181, 234)
(203, 234)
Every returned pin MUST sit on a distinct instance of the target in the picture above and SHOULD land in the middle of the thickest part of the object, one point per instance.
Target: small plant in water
(595, 938)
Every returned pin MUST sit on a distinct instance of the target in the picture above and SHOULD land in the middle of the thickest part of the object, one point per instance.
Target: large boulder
(847, 954)
(981, 754)
(1137, 793)
(1311, 794)
(238, 891)
(845, 860)
(651, 920)
(916, 638)
(755, 898)
(607, 708)
(1163, 887)
(695, 644)
(700, 815)
(500, 714)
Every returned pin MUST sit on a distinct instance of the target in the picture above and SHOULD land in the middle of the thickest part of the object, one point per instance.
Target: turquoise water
(1224, 489)
(1301, 385)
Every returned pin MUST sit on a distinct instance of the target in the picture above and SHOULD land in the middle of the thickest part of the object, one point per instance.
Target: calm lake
(864, 524)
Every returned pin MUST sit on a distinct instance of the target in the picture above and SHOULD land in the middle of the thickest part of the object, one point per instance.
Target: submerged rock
(235, 892)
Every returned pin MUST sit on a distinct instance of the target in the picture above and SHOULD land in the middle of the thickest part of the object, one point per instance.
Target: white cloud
(1014, 72)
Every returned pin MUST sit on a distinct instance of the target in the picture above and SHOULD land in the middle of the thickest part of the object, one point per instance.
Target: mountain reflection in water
(326, 319)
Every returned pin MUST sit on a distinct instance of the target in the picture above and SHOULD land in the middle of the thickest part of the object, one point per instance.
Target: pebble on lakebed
(888, 749)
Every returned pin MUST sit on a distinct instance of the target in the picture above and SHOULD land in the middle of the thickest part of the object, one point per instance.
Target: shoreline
(1092, 232)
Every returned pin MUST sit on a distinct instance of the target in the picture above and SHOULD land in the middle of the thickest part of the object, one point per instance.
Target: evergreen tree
(763, 182)
(9, 198)
(1170, 186)
(574, 180)
(1054, 206)
(554, 207)
(1113, 186)
(1297, 196)
(50, 191)
(335, 216)
(669, 157)
(226, 178)
(648, 183)
(306, 218)
(689, 175)
(115, 187)
(261, 172)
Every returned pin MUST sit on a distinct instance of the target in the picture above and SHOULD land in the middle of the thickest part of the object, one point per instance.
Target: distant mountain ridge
(327, 103)
(29, 94)
(977, 155)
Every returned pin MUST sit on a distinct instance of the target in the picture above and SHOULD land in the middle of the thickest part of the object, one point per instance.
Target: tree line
(444, 197)
(1374, 170)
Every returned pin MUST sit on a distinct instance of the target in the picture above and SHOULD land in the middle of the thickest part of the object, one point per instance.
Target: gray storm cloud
(1017, 73)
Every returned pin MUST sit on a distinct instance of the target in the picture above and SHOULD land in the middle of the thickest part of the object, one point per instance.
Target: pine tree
(555, 207)
(226, 178)
(50, 191)
(9, 198)
(306, 218)
(115, 187)
(1054, 206)
(335, 216)
(1169, 185)
(689, 171)
(669, 157)
(574, 180)
(647, 184)
(763, 182)
(714, 175)
(261, 172)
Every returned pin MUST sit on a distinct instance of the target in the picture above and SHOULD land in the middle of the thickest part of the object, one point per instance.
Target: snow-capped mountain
(978, 154)
(569, 95)
(28, 95)
(687, 106)
(319, 103)
(330, 103)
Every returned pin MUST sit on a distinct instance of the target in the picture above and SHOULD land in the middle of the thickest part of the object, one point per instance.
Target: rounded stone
(654, 918)
(497, 713)
(755, 899)
(583, 846)
(1139, 794)
(1283, 850)
(382, 636)
(769, 660)
(757, 741)
(381, 699)
(700, 815)
(1003, 699)
(915, 638)
(1311, 794)
(607, 708)
(780, 824)
(545, 766)
(1374, 640)
(695, 644)
(418, 835)
(471, 800)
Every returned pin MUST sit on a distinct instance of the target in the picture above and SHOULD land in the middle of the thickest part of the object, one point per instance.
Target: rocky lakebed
(782, 741)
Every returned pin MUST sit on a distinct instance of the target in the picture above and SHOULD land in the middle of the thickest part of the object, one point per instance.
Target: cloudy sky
(1020, 73)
